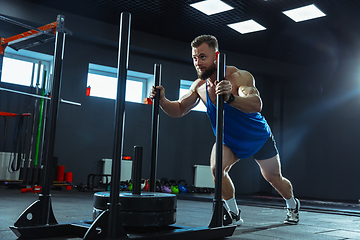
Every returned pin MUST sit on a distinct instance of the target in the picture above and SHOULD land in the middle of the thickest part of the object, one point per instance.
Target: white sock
(290, 203)
(231, 203)
(226, 205)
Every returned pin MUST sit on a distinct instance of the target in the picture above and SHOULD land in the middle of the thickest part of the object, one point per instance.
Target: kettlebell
(146, 187)
(165, 187)
(174, 187)
(182, 186)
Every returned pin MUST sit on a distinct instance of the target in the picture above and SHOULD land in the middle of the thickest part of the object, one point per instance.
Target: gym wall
(317, 136)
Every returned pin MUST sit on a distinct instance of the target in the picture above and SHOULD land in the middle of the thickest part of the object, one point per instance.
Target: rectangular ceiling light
(304, 13)
(247, 26)
(210, 7)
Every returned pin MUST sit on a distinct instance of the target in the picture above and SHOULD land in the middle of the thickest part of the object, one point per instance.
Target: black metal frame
(137, 169)
(1, 64)
(154, 129)
(123, 62)
(220, 214)
(108, 225)
(23, 25)
(45, 215)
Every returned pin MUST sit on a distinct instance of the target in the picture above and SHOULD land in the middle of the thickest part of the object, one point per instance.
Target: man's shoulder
(232, 69)
(196, 84)
(241, 77)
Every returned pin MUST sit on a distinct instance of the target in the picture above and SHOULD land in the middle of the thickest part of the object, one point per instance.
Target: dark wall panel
(322, 132)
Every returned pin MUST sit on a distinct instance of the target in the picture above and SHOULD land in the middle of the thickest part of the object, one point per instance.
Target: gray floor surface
(260, 222)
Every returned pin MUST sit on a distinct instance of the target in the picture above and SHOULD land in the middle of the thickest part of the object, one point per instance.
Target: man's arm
(180, 107)
(247, 97)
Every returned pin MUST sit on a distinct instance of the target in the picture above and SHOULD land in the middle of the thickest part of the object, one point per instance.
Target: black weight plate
(144, 219)
(146, 202)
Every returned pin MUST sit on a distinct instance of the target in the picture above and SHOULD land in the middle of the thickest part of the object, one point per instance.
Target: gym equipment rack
(31, 169)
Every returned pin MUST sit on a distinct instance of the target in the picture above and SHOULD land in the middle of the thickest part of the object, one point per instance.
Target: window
(102, 81)
(184, 88)
(22, 67)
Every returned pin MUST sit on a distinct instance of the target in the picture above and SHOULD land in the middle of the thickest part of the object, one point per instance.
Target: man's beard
(207, 73)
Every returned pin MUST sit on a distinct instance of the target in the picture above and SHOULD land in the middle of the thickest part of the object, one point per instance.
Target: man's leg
(271, 171)
(228, 190)
(229, 158)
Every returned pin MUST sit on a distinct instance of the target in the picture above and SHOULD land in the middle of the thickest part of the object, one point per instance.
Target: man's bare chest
(210, 91)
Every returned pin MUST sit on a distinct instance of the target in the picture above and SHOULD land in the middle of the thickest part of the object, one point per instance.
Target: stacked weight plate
(144, 210)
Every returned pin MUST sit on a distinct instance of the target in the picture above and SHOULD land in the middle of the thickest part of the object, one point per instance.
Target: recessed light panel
(247, 26)
(304, 13)
(210, 7)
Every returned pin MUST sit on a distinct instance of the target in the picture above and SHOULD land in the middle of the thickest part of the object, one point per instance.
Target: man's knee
(224, 170)
(229, 159)
(213, 169)
(272, 178)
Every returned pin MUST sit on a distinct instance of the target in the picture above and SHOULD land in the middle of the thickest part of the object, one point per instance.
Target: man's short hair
(210, 40)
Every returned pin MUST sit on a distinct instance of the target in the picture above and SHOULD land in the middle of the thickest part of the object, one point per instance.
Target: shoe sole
(290, 223)
(239, 223)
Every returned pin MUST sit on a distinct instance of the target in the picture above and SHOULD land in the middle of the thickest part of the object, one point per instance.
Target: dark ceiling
(336, 36)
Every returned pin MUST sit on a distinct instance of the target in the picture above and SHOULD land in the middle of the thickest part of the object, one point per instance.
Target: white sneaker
(292, 215)
(236, 219)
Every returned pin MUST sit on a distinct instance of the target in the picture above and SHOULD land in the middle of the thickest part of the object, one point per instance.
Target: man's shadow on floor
(241, 230)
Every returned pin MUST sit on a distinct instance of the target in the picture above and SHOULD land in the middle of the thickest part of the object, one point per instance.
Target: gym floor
(263, 216)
